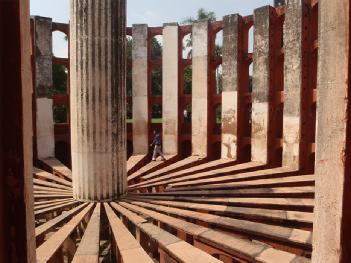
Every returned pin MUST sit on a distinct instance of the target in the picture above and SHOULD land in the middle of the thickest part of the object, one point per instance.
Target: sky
(151, 12)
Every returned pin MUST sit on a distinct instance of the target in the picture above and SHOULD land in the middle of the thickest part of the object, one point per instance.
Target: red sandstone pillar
(17, 239)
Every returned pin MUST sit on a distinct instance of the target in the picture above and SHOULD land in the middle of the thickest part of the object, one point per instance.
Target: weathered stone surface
(199, 133)
(292, 83)
(231, 49)
(170, 89)
(140, 90)
(45, 138)
(331, 239)
(261, 84)
(98, 126)
(43, 56)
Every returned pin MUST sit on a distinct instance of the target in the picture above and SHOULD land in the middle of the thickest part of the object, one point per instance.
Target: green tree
(201, 14)
(211, 16)
(156, 49)
(156, 82)
(188, 72)
(129, 47)
(59, 78)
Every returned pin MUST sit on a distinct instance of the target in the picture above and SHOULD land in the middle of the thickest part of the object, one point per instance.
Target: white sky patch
(59, 45)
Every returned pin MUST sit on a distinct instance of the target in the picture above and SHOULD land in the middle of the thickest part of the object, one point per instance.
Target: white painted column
(199, 132)
(45, 137)
(170, 89)
(98, 99)
(140, 90)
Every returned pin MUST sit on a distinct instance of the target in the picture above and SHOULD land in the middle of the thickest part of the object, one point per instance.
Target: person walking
(157, 146)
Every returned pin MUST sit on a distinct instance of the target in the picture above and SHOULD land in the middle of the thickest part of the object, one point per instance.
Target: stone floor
(188, 211)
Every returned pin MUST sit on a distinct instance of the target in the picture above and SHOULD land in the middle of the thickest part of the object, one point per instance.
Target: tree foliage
(59, 77)
(201, 14)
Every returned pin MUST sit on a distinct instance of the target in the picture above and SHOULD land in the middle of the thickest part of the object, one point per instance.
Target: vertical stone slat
(122, 100)
(45, 140)
(170, 91)
(232, 63)
(199, 132)
(293, 83)
(261, 84)
(97, 82)
(332, 218)
(96, 94)
(140, 90)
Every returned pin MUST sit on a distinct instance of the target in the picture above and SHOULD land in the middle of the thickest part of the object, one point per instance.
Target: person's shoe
(154, 160)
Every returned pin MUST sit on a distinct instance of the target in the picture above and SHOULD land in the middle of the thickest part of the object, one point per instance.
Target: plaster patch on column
(45, 128)
(229, 124)
(259, 131)
(291, 141)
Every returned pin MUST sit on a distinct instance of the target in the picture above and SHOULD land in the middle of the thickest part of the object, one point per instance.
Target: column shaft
(45, 138)
(200, 108)
(170, 90)
(261, 84)
(98, 128)
(232, 63)
(292, 83)
(140, 90)
(332, 217)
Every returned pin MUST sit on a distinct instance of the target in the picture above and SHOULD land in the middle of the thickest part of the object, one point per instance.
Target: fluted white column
(98, 129)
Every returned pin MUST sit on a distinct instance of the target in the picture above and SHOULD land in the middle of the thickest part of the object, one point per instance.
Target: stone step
(43, 213)
(49, 195)
(49, 204)
(297, 180)
(179, 176)
(57, 168)
(263, 232)
(89, 247)
(184, 169)
(50, 249)
(45, 176)
(287, 204)
(50, 201)
(190, 161)
(237, 248)
(134, 162)
(128, 250)
(215, 178)
(51, 189)
(282, 192)
(51, 225)
(50, 184)
(151, 166)
(285, 218)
